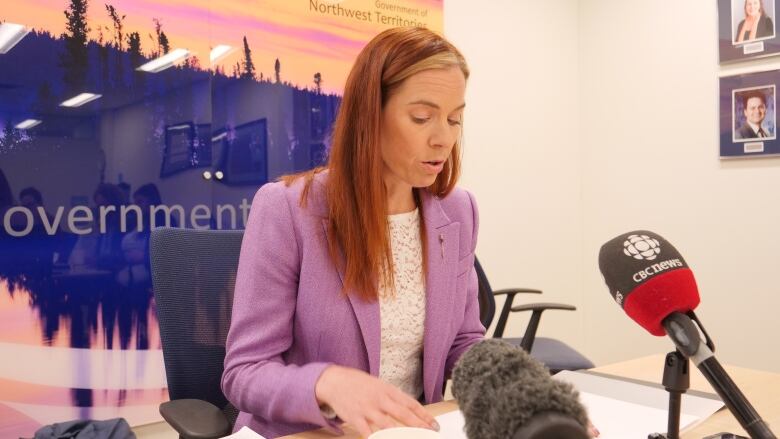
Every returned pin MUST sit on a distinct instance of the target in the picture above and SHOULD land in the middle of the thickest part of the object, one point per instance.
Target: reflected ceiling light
(165, 61)
(10, 34)
(218, 137)
(27, 124)
(207, 175)
(219, 52)
(80, 100)
(219, 175)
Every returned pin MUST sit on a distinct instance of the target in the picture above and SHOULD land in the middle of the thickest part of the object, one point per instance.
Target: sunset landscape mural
(171, 91)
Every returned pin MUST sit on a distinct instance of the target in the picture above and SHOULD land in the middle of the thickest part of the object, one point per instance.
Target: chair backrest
(194, 273)
(487, 303)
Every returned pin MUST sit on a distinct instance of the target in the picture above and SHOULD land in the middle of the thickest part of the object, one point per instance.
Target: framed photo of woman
(747, 29)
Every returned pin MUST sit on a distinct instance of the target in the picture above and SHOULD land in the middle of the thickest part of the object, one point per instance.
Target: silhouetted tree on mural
(117, 21)
(192, 63)
(103, 55)
(119, 42)
(163, 46)
(277, 69)
(74, 60)
(249, 67)
(136, 57)
(134, 48)
(318, 82)
(152, 43)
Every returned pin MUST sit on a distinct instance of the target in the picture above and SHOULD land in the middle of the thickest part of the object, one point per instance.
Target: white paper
(244, 433)
(451, 425)
(620, 420)
(623, 409)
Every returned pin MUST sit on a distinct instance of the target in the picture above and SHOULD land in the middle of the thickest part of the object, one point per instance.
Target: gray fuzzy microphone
(504, 393)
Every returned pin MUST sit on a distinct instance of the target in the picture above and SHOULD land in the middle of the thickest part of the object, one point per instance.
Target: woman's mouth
(433, 166)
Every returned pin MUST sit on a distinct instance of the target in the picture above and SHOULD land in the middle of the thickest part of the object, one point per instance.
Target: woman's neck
(400, 198)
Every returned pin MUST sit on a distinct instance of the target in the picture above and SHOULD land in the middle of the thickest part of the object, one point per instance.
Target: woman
(356, 291)
(756, 23)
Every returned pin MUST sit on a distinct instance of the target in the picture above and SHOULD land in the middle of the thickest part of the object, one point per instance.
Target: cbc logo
(641, 247)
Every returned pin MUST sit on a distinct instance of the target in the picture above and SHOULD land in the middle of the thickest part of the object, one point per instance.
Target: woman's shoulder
(459, 205)
(288, 192)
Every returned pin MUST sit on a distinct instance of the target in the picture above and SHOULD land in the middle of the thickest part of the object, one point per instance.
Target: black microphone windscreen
(500, 387)
(492, 364)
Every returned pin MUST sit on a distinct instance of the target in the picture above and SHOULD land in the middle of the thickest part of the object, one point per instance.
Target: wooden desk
(761, 388)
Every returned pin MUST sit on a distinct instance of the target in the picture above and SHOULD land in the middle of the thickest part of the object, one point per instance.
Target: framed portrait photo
(747, 29)
(244, 153)
(748, 115)
(177, 149)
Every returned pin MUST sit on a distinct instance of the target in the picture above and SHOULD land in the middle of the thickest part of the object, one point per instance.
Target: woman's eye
(453, 121)
(419, 120)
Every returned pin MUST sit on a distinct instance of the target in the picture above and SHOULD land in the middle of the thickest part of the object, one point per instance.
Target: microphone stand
(676, 381)
(685, 334)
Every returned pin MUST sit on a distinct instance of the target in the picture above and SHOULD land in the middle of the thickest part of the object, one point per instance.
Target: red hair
(355, 190)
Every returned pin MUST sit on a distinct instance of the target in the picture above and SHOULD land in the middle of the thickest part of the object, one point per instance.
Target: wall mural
(122, 115)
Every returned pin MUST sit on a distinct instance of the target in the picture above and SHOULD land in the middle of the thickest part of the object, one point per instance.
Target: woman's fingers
(381, 420)
(361, 426)
(592, 430)
(405, 415)
(410, 412)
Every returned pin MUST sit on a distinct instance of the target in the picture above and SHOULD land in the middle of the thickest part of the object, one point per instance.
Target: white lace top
(403, 311)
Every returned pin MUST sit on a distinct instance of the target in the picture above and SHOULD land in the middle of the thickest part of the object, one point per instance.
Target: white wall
(521, 149)
(649, 118)
(632, 85)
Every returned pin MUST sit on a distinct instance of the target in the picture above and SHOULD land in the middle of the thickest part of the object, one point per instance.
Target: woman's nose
(443, 135)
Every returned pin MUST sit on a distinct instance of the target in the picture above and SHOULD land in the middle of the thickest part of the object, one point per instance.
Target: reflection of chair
(193, 272)
(555, 354)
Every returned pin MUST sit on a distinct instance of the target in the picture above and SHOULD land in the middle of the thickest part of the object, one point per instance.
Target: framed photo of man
(748, 115)
(753, 113)
(747, 29)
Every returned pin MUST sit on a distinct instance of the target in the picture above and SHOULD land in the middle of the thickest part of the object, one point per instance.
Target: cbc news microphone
(653, 284)
(506, 394)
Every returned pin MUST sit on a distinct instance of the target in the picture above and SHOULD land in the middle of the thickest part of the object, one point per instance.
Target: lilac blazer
(290, 319)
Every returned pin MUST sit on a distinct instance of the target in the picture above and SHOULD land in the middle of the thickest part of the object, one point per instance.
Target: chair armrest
(195, 419)
(543, 306)
(515, 291)
(502, 318)
(536, 315)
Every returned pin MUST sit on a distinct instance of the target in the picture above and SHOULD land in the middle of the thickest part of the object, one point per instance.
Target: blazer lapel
(367, 315)
(442, 257)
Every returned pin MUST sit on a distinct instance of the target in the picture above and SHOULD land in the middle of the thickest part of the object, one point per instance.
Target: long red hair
(355, 190)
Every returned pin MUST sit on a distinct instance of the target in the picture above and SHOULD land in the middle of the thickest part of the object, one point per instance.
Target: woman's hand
(592, 430)
(367, 403)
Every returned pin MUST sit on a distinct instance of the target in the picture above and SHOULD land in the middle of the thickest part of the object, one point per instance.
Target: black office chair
(555, 354)
(194, 272)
